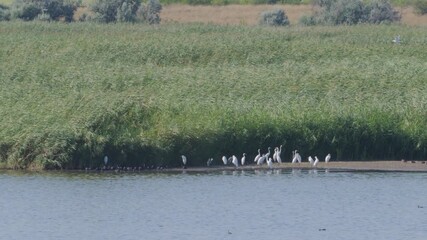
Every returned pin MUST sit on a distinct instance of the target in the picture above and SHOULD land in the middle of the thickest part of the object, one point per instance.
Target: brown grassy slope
(249, 14)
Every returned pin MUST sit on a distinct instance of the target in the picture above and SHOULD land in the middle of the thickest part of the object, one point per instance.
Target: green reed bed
(145, 95)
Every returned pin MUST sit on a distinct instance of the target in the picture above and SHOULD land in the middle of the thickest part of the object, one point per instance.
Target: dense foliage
(50, 10)
(71, 93)
(351, 12)
(421, 7)
(276, 17)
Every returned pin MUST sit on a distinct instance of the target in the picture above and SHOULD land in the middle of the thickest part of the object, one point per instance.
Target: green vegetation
(71, 93)
(276, 17)
(350, 12)
(421, 7)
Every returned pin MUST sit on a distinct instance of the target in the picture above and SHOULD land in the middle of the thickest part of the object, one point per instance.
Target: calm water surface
(297, 204)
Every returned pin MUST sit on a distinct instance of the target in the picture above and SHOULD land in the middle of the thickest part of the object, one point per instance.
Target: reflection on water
(236, 204)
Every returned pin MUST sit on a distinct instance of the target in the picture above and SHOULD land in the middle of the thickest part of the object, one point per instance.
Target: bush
(421, 7)
(275, 17)
(308, 20)
(48, 9)
(381, 11)
(150, 12)
(351, 12)
(108, 11)
(4, 13)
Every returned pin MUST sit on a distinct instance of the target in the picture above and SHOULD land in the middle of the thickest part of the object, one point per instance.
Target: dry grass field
(249, 14)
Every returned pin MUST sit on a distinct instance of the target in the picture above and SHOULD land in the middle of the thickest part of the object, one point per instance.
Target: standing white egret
(268, 153)
(294, 158)
(270, 163)
(316, 161)
(184, 161)
(275, 154)
(261, 160)
(298, 157)
(243, 160)
(279, 151)
(209, 162)
(310, 159)
(328, 157)
(105, 160)
(224, 160)
(257, 156)
(235, 161)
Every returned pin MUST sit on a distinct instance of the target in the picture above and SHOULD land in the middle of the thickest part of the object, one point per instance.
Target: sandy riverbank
(407, 166)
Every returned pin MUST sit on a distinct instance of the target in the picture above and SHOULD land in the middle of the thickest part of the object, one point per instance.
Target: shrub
(351, 12)
(150, 11)
(48, 9)
(381, 11)
(276, 17)
(421, 7)
(307, 20)
(127, 11)
(4, 13)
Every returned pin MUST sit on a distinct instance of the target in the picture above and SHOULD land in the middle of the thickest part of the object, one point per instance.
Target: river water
(278, 204)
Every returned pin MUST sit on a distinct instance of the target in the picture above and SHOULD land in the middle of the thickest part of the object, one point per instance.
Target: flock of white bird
(260, 159)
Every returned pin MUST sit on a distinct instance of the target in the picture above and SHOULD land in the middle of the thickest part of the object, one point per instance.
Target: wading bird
(261, 160)
(257, 156)
(328, 157)
(270, 163)
(235, 161)
(268, 153)
(184, 161)
(243, 160)
(209, 162)
(105, 160)
(316, 161)
(296, 157)
(275, 154)
(279, 151)
(224, 160)
(310, 160)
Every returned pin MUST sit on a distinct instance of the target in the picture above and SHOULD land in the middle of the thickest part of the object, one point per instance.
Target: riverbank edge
(380, 166)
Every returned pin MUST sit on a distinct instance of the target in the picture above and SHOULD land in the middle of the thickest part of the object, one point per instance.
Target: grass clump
(71, 94)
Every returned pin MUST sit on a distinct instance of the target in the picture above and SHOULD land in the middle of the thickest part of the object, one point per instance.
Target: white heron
(275, 154)
(257, 156)
(243, 160)
(209, 162)
(310, 160)
(261, 160)
(224, 160)
(296, 157)
(270, 163)
(316, 161)
(328, 157)
(184, 160)
(268, 153)
(235, 161)
(105, 160)
(279, 151)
